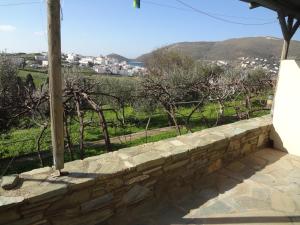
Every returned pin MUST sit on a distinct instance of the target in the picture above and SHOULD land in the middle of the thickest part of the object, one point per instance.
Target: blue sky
(94, 27)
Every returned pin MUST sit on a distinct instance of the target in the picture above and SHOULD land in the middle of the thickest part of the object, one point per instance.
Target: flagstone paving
(262, 188)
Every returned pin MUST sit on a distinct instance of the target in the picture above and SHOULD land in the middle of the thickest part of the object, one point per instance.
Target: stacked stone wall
(99, 189)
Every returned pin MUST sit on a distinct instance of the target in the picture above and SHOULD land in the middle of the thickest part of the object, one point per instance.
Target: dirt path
(115, 140)
(131, 137)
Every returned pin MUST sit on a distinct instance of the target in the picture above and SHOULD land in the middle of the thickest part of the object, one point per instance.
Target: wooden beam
(290, 22)
(277, 5)
(253, 5)
(55, 83)
(286, 35)
(285, 49)
(288, 30)
(284, 9)
(295, 27)
(283, 25)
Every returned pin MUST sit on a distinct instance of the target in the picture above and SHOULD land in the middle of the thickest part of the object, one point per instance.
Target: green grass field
(23, 141)
(11, 144)
(38, 76)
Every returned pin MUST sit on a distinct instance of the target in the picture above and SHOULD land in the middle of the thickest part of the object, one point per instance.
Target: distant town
(117, 65)
(271, 65)
(100, 64)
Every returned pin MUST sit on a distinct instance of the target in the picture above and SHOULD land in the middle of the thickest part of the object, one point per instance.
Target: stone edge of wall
(129, 175)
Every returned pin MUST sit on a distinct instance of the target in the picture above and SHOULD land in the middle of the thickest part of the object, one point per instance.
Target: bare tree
(175, 79)
(252, 84)
(102, 121)
(79, 90)
(224, 87)
(11, 93)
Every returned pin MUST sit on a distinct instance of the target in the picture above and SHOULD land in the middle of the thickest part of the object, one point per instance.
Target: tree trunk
(220, 113)
(222, 109)
(81, 124)
(172, 115)
(44, 127)
(123, 114)
(188, 127)
(81, 135)
(103, 124)
(67, 133)
(248, 102)
(146, 129)
(102, 121)
(170, 119)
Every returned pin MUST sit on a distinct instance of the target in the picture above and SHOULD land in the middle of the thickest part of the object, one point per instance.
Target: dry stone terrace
(175, 181)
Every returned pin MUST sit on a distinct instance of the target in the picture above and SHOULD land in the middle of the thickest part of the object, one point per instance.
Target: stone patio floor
(262, 188)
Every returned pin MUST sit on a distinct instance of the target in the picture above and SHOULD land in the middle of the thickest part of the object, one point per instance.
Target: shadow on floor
(240, 193)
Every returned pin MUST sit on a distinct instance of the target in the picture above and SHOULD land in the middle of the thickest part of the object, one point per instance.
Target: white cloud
(40, 33)
(7, 28)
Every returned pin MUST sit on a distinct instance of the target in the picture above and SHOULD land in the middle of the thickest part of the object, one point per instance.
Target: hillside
(263, 47)
(118, 57)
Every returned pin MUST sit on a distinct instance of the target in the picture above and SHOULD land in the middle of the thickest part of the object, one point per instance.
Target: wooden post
(55, 83)
(288, 30)
(285, 49)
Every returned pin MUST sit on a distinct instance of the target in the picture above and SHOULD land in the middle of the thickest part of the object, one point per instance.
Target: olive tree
(252, 84)
(175, 79)
(11, 93)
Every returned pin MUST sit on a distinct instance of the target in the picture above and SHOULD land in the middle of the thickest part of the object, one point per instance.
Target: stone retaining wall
(100, 188)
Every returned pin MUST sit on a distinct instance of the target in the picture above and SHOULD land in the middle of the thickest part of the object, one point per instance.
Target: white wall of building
(41, 57)
(72, 58)
(45, 63)
(286, 110)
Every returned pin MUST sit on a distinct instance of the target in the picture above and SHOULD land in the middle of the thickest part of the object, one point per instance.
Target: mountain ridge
(120, 58)
(232, 49)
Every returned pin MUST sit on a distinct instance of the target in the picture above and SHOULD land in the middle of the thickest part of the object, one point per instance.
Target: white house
(86, 61)
(41, 57)
(71, 58)
(99, 60)
(45, 63)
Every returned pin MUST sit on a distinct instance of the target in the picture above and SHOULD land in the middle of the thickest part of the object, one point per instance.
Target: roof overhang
(286, 7)
(288, 12)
